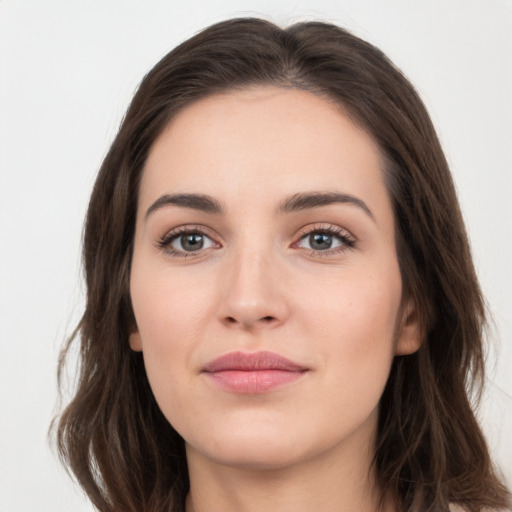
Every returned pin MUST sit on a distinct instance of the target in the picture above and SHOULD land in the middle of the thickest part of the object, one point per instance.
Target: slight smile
(252, 373)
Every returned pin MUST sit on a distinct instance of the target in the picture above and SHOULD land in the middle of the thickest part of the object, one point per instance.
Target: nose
(253, 296)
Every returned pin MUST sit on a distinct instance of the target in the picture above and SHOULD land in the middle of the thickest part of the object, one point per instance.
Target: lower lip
(258, 381)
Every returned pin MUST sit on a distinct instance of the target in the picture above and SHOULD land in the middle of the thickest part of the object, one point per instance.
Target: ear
(409, 338)
(134, 339)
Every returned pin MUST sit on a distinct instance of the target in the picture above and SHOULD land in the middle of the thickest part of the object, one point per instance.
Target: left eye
(322, 241)
(191, 242)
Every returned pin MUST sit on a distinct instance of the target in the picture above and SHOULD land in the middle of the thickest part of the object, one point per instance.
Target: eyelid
(164, 242)
(348, 241)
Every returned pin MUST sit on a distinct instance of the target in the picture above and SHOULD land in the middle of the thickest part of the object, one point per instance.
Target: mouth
(258, 372)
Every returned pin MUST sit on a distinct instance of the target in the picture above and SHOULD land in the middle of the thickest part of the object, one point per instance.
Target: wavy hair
(430, 451)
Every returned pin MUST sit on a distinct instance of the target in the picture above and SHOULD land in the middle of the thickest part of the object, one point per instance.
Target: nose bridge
(252, 295)
(251, 271)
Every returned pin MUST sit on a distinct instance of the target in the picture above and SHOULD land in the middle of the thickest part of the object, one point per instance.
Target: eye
(319, 241)
(326, 240)
(191, 242)
(185, 242)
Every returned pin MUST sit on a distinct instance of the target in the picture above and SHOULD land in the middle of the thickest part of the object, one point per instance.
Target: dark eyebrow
(194, 201)
(296, 202)
(306, 200)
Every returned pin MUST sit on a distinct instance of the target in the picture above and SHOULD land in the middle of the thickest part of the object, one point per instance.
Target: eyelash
(347, 242)
(165, 242)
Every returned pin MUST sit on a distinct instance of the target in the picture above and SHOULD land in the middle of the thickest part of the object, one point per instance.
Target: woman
(282, 311)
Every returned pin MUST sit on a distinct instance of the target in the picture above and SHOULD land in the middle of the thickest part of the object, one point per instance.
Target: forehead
(266, 140)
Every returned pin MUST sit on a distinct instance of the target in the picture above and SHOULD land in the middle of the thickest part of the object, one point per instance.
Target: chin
(257, 458)
(251, 450)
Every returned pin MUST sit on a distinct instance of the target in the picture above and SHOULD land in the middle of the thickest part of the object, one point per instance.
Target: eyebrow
(199, 202)
(296, 202)
(307, 200)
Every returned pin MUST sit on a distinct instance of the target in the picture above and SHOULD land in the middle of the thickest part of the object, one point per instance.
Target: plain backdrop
(68, 71)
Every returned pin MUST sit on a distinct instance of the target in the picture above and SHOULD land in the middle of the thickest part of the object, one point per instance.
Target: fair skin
(315, 280)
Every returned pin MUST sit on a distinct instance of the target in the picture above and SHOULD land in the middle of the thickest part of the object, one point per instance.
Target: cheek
(169, 319)
(353, 330)
(169, 309)
(174, 313)
(358, 307)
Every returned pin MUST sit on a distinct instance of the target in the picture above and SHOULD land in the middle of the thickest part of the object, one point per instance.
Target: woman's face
(265, 281)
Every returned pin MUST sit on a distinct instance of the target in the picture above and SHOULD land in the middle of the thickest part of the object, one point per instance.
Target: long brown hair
(430, 450)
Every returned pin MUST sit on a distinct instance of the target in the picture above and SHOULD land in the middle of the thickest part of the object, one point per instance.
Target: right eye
(185, 242)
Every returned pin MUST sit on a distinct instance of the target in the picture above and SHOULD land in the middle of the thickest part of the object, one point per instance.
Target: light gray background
(68, 70)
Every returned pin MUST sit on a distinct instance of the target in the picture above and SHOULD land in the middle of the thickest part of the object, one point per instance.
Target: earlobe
(134, 340)
(410, 336)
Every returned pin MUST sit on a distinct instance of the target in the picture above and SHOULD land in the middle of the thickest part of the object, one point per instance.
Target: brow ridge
(307, 200)
(199, 202)
(296, 202)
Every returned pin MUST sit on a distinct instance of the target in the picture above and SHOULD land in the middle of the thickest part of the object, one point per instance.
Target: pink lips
(257, 372)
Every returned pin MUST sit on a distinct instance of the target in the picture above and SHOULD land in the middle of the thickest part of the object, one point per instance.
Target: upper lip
(244, 361)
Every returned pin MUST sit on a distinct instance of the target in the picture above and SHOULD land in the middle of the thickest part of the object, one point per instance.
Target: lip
(257, 372)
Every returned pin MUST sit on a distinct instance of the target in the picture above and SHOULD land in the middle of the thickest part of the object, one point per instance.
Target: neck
(339, 480)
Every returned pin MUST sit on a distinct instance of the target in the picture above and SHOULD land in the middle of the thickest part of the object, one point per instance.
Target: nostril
(266, 319)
